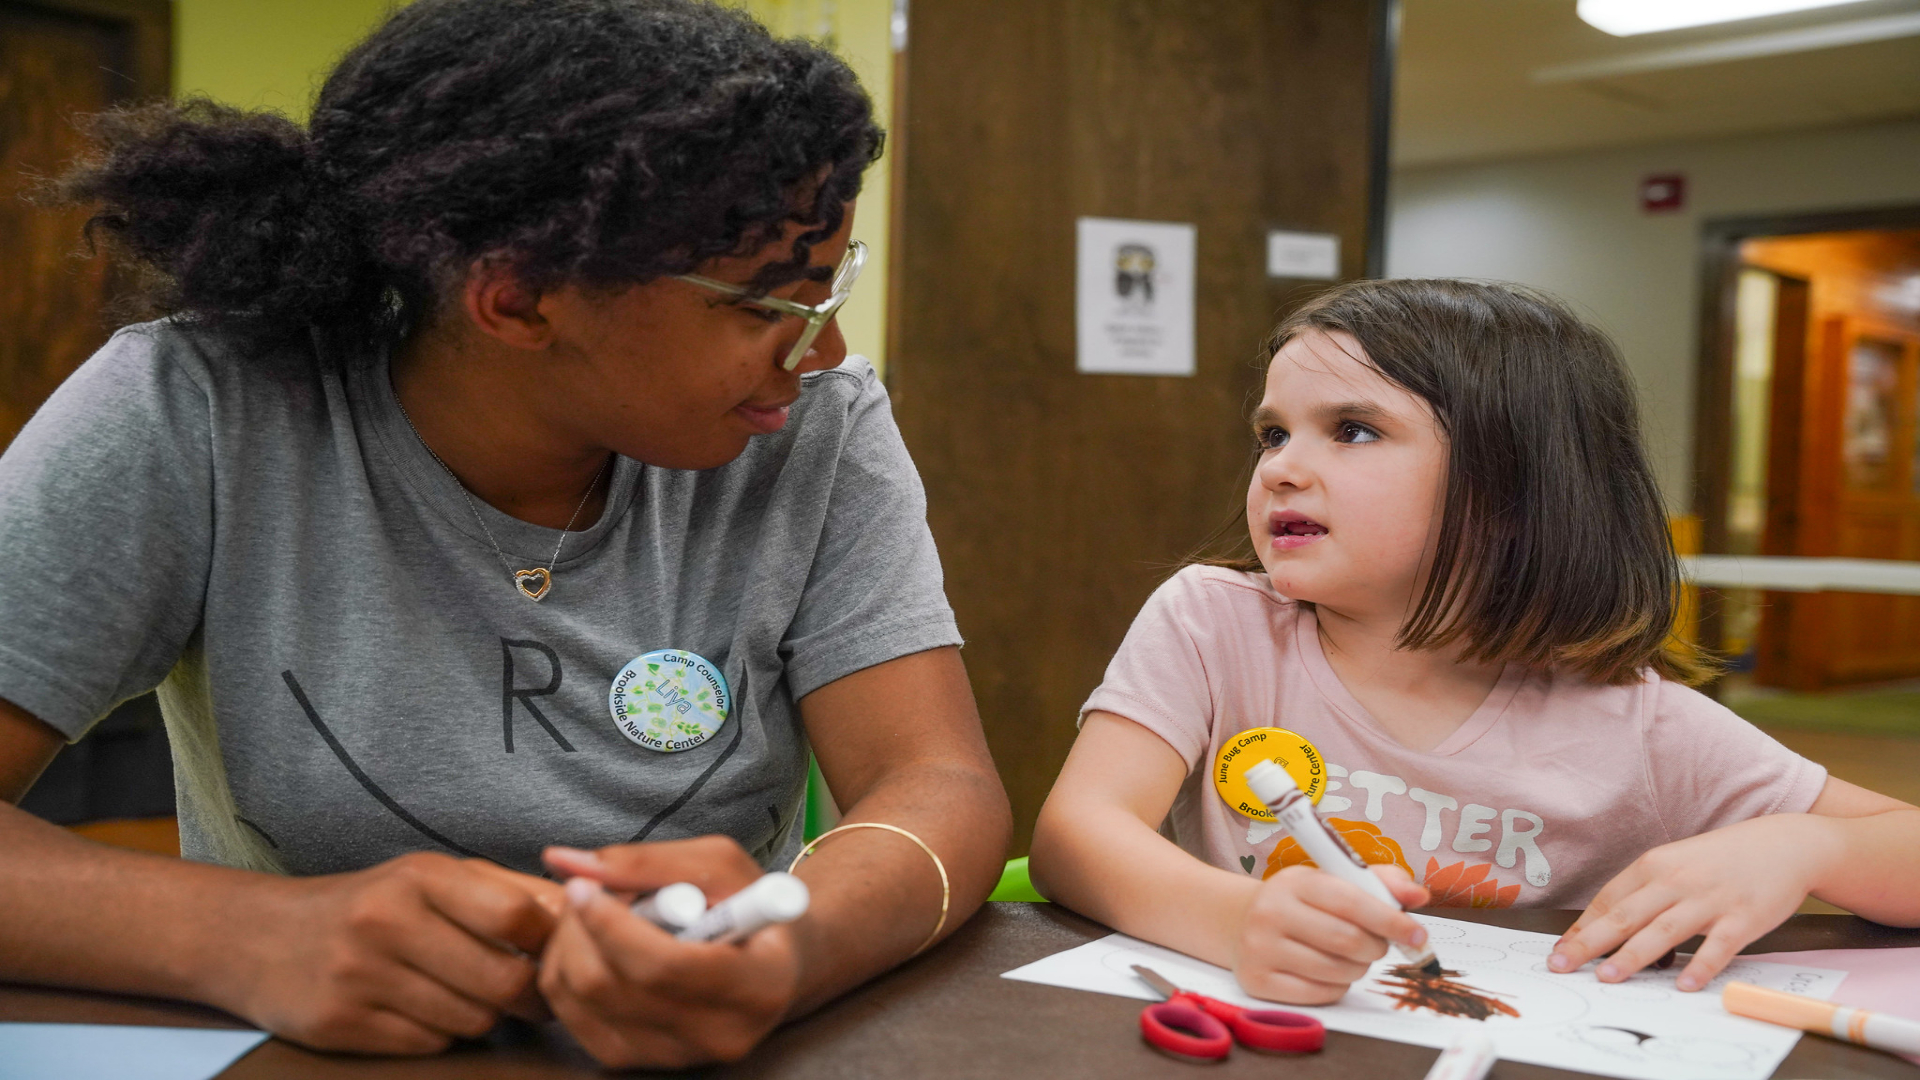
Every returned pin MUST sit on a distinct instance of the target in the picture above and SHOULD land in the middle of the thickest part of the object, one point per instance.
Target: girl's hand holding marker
(1309, 935)
(1311, 932)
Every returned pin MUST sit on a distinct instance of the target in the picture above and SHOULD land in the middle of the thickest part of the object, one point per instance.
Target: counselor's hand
(633, 994)
(546, 892)
(400, 958)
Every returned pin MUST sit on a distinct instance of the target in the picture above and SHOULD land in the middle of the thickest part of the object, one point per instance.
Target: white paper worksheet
(1640, 1029)
(116, 1052)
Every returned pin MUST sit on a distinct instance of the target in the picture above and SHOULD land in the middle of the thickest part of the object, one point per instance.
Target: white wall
(1571, 224)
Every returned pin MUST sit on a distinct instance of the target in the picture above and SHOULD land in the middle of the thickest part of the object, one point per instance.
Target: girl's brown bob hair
(1553, 550)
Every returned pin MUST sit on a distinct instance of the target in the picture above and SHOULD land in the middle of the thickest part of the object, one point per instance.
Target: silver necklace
(533, 584)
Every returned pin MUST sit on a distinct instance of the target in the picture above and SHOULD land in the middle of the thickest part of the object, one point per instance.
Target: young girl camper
(1456, 632)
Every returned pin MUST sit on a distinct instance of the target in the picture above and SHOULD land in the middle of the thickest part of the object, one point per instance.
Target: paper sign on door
(1135, 297)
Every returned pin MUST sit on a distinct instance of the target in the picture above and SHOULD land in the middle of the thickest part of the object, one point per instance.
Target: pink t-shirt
(1548, 790)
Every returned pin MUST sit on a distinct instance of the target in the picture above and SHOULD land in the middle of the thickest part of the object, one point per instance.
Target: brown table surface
(949, 1014)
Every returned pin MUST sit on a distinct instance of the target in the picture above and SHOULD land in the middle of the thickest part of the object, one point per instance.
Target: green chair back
(1015, 884)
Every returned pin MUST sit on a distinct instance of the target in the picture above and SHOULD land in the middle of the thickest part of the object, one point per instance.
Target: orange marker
(1890, 1033)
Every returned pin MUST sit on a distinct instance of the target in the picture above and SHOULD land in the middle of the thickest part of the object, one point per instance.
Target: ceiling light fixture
(1624, 18)
(1828, 35)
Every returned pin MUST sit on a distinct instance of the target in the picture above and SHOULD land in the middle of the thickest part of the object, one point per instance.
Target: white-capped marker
(777, 897)
(1468, 1057)
(674, 907)
(1893, 1034)
(1274, 786)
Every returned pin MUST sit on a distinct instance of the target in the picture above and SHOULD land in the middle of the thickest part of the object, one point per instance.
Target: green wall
(265, 55)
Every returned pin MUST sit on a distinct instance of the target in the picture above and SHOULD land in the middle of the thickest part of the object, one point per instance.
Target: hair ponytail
(229, 216)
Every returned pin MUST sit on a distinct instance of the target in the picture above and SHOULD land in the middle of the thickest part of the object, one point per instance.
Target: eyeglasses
(816, 315)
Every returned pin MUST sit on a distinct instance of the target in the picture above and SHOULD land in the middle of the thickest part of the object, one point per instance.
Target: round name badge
(1292, 752)
(669, 700)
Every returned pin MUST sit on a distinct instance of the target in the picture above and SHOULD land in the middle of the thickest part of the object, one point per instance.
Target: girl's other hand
(1308, 935)
(634, 995)
(1732, 885)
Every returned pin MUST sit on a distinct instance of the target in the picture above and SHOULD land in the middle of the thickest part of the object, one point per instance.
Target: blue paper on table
(116, 1052)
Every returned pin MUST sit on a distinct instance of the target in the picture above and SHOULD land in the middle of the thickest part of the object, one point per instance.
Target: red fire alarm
(1660, 194)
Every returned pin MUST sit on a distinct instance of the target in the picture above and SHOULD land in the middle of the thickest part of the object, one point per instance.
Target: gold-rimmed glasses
(816, 315)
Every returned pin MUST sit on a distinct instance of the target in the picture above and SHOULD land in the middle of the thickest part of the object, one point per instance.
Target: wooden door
(1877, 502)
(1858, 497)
(1060, 500)
(60, 60)
(1783, 657)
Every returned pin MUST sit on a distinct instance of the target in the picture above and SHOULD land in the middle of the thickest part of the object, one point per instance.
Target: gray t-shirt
(346, 669)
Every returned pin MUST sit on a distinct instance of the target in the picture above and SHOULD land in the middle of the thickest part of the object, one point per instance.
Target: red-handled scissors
(1198, 1028)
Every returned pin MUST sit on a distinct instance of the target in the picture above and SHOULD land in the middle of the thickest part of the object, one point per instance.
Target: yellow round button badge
(1292, 752)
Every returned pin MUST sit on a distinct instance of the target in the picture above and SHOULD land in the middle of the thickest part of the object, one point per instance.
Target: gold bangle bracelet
(946, 893)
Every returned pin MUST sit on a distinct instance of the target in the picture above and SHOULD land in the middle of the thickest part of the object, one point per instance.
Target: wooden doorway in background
(1060, 500)
(1838, 432)
(60, 59)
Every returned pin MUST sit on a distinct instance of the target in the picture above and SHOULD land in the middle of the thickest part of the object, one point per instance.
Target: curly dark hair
(593, 142)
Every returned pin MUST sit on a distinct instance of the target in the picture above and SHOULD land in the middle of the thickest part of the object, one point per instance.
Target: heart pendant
(533, 584)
